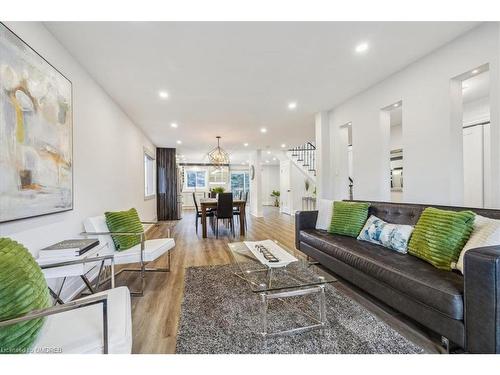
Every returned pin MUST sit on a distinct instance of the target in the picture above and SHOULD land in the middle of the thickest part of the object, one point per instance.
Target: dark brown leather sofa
(465, 310)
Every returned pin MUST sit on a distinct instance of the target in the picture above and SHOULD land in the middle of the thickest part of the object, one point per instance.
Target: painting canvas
(36, 166)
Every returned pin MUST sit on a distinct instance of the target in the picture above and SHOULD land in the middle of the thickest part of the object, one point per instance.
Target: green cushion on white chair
(22, 289)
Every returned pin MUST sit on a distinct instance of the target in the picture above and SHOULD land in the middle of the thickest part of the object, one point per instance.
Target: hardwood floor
(155, 316)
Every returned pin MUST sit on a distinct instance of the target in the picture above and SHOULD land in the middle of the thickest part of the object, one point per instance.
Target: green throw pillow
(440, 235)
(124, 221)
(348, 218)
(22, 289)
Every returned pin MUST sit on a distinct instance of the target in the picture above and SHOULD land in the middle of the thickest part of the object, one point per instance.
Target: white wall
(107, 153)
(431, 136)
(270, 182)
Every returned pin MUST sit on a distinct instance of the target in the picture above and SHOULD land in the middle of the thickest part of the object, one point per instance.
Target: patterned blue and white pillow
(392, 236)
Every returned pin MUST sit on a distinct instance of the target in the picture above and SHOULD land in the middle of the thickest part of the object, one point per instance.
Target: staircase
(304, 157)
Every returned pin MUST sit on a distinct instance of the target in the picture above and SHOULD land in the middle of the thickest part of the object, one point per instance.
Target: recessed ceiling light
(283, 145)
(292, 105)
(274, 159)
(396, 104)
(263, 130)
(163, 94)
(267, 161)
(269, 152)
(179, 142)
(174, 125)
(475, 71)
(361, 47)
(245, 144)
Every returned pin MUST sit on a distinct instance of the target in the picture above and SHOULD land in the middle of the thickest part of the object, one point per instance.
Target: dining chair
(198, 214)
(236, 210)
(224, 211)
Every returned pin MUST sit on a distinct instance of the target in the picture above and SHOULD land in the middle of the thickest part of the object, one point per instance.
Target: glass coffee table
(282, 280)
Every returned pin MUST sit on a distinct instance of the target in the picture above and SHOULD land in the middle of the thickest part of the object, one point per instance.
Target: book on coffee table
(68, 248)
(270, 253)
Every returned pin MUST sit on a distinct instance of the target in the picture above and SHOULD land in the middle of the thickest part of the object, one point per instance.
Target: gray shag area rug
(221, 315)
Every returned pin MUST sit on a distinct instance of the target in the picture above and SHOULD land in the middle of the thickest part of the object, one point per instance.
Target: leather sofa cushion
(441, 290)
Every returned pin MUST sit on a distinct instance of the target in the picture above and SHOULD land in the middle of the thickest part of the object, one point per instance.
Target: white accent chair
(146, 251)
(100, 323)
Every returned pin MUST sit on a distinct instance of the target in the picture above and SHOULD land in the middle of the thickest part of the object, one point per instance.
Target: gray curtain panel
(166, 184)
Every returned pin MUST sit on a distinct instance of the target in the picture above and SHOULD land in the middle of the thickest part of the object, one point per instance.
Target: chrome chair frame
(88, 284)
(142, 270)
(35, 314)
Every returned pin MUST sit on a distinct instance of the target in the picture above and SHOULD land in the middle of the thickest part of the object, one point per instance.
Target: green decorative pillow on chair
(124, 221)
(440, 235)
(22, 289)
(348, 218)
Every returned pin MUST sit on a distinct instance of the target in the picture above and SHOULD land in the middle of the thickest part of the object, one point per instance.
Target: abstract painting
(36, 166)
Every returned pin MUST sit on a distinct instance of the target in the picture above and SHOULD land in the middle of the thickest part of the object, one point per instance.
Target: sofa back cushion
(440, 235)
(348, 218)
(392, 236)
(325, 212)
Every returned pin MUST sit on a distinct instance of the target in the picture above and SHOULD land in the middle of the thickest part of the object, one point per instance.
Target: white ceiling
(233, 78)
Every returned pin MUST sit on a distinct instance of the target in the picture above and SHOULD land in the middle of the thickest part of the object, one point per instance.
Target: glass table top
(298, 273)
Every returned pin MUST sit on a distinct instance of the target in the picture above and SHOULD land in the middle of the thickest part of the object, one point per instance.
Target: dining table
(207, 203)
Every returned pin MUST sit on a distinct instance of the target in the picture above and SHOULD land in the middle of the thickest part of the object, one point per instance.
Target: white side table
(78, 267)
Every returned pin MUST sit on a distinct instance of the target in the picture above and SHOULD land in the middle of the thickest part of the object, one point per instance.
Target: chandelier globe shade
(218, 156)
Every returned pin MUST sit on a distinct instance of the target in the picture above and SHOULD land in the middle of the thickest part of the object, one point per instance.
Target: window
(149, 176)
(196, 179)
(240, 182)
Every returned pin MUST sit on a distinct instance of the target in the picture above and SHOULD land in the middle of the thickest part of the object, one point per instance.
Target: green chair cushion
(22, 289)
(440, 235)
(124, 221)
(348, 218)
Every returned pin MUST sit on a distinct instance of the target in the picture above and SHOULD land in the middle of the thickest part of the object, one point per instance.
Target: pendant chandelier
(218, 156)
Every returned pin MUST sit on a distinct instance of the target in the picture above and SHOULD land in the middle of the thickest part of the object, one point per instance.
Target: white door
(473, 166)
(285, 191)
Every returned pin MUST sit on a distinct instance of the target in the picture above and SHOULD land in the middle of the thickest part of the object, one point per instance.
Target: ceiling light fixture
(179, 142)
(269, 152)
(263, 130)
(292, 105)
(163, 94)
(362, 47)
(245, 144)
(267, 161)
(475, 71)
(218, 156)
(174, 125)
(283, 145)
(396, 105)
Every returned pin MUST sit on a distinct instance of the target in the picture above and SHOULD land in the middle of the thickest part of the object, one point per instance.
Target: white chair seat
(80, 331)
(153, 249)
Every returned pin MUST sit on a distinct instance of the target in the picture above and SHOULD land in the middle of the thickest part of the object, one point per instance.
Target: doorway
(476, 138)
(285, 190)
(393, 114)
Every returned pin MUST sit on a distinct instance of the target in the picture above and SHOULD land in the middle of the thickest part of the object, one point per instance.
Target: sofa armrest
(482, 299)
(304, 220)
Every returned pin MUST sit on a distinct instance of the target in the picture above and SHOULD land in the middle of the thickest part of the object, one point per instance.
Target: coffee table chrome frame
(265, 296)
(320, 322)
